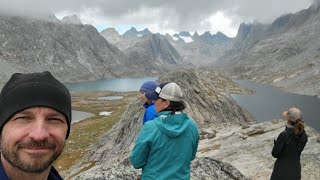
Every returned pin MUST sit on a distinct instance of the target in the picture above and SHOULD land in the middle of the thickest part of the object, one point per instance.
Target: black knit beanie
(24, 91)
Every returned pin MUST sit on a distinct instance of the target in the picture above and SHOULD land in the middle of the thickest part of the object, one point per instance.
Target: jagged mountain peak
(146, 30)
(207, 33)
(110, 30)
(133, 29)
(196, 34)
(176, 35)
(220, 34)
(134, 33)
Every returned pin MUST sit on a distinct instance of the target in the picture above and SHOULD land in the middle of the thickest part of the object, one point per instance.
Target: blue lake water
(117, 84)
(269, 102)
(80, 115)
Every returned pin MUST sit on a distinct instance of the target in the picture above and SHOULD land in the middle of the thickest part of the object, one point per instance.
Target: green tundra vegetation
(86, 132)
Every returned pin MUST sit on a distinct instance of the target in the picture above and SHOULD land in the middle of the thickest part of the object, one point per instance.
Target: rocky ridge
(72, 52)
(150, 53)
(203, 49)
(153, 53)
(283, 54)
(206, 102)
(112, 36)
(248, 149)
(201, 168)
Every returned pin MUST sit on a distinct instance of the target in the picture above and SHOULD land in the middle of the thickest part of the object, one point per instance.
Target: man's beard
(13, 157)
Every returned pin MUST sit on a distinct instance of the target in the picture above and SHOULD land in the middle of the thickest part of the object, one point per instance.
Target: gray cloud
(177, 15)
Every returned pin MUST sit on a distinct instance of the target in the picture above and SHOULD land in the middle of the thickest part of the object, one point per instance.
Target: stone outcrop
(249, 149)
(201, 168)
(207, 99)
(207, 103)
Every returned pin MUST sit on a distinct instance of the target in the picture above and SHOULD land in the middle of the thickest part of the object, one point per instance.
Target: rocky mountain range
(284, 53)
(150, 53)
(198, 50)
(207, 37)
(133, 33)
(154, 53)
(76, 52)
(72, 52)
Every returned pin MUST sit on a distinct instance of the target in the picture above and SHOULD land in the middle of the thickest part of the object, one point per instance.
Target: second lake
(269, 102)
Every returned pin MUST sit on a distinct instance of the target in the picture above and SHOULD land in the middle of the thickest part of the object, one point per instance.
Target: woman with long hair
(288, 147)
(166, 146)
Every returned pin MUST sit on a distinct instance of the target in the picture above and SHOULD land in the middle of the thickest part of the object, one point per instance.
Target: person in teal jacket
(166, 146)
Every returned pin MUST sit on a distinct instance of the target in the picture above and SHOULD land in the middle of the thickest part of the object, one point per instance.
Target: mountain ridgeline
(72, 52)
(284, 53)
(76, 52)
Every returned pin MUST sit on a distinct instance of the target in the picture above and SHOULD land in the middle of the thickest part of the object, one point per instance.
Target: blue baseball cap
(154, 95)
(148, 86)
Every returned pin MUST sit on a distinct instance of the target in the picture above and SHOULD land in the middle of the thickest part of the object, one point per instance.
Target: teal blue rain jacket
(165, 147)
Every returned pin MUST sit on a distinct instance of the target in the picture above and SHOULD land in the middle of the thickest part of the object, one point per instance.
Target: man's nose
(39, 130)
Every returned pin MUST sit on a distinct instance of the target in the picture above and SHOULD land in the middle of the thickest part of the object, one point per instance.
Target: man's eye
(54, 118)
(22, 118)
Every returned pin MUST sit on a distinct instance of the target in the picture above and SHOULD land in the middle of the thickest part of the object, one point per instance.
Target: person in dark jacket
(150, 111)
(35, 118)
(166, 145)
(288, 147)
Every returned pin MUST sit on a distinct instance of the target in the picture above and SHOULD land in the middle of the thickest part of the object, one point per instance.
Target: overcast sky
(164, 16)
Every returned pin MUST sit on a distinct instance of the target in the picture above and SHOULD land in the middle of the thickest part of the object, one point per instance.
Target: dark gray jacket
(287, 149)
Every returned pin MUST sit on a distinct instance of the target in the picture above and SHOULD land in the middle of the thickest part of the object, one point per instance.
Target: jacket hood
(172, 125)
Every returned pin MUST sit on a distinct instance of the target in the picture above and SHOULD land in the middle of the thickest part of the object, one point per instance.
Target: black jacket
(287, 149)
(53, 174)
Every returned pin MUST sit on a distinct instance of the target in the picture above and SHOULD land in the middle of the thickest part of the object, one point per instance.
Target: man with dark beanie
(35, 118)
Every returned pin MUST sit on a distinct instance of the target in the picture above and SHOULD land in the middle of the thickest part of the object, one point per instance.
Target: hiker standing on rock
(166, 146)
(288, 147)
(150, 111)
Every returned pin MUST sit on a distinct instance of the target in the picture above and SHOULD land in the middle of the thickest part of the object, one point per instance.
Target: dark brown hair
(175, 106)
